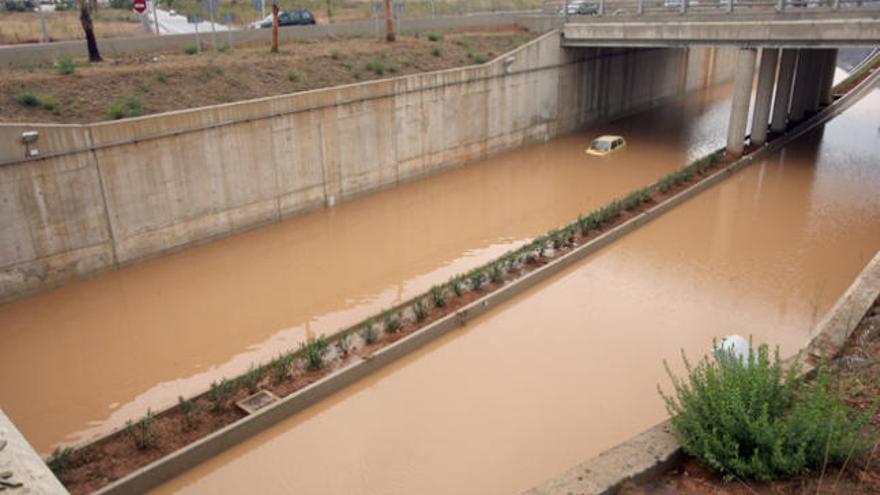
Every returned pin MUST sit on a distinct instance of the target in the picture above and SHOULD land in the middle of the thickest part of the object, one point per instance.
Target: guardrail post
(565, 12)
(836, 5)
(641, 7)
(780, 6)
(729, 6)
(684, 6)
(601, 8)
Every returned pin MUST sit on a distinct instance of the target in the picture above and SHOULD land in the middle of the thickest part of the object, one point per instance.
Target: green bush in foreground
(126, 106)
(65, 65)
(748, 419)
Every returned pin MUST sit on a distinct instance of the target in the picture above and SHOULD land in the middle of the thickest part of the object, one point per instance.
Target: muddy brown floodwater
(570, 368)
(102, 351)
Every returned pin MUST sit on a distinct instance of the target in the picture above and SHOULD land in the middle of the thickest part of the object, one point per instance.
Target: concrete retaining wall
(35, 54)
(110, 194)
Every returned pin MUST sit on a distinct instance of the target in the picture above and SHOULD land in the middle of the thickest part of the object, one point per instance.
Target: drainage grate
(257, 401)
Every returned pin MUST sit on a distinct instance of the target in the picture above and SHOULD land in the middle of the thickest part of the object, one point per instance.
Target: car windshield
(600, 145)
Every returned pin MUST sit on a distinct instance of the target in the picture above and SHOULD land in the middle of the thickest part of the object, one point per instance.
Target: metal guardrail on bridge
(583, 9)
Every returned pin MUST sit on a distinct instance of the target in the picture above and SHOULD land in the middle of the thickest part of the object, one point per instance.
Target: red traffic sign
(140, 6)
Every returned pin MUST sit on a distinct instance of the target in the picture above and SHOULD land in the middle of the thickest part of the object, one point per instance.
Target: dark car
(298, 17)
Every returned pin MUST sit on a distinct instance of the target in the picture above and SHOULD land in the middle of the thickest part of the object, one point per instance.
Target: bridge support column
(763, 95)
(802, 82)
(742, 95)
(825, 96)
(787, 62)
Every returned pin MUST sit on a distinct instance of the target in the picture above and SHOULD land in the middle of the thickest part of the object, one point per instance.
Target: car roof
(607, 138)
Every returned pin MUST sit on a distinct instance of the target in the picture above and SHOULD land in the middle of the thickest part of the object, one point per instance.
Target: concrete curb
(656, 450)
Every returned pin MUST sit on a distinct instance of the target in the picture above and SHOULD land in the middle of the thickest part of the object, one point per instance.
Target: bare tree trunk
(85, 18)
(275, 26)
(389, 22)
(329, 12)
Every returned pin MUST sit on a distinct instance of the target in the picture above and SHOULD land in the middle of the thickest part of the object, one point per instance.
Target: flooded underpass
(570, 367)
(110, 347)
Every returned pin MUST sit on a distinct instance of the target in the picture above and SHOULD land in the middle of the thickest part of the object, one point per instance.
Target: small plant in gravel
(220, 393)
(391, 321)
(314, 350)
(124, 107)
(357, 74)
(59, 461)
(281, 367)
(65, 65)
(750, 419)
(251, 379)
(141, 432)
(438, 297)
(377, 66)
(294, 75)
(477, 279)
(223, 48)
(457, 286)
(437, 51)
(343, 344)
(368, 331)
(420, 309)
(161, 77)
(190, 49)
(335, 55)
(27, 99)
(477, 57)
(434, 36)
(190, 411)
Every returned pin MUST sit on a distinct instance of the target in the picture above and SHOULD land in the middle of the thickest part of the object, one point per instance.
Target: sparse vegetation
(223, 48)
(437, 51)
(420, 309)
(434, 36)
(280, 367)
(497, 273)
(377, 66)
(750, 419)
(220, 393)
(294, 75)
(457, 286)
(391, 322)
(477, 279)
(141, 432)
(477, 57)
(251, 379)
(59, 461)
(343, 344)
(190, 412)
(65, 65)
(438, 297)
(125, 107)
(335, 55)
(27, 99)
(314, 350)
(190, 49)
(368, 331)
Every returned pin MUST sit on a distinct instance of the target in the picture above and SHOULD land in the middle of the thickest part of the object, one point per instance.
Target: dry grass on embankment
(143, 85)
(24, 27)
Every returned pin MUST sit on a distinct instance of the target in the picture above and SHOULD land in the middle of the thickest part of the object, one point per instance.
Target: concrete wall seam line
(177, 462)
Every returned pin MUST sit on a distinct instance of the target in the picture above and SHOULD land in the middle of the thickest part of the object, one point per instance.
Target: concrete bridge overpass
(797, 48)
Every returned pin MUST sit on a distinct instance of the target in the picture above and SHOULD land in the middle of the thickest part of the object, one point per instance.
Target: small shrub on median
(420, 309)
(391, 322)
(59, 461)
(438, 298)
(281, 366)
(435, 36)
(457, 286)
(27, 99)
(635, 199)
(220, 393)
(751, 420)
(343, 344)
(437, 51)
(190, 412)
(368, 331)
(477, 279)
(314, 350)
(141, 432)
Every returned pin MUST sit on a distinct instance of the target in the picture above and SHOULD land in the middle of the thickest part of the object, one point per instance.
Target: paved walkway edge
(655, 450)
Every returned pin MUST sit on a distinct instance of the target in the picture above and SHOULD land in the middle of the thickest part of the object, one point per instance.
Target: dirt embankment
(133, 86)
